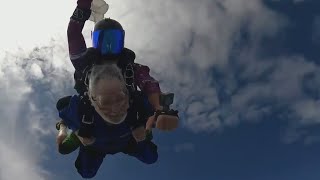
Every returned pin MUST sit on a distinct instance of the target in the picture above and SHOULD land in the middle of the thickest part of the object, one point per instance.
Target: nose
(115, 110)
(111, 111)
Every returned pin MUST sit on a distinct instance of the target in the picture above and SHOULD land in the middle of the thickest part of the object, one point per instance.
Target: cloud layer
(216, 57)
(31, 86)
(210, 53)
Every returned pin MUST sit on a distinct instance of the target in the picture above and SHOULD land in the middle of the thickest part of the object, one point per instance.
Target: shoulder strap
(125, 63)
(86, 110)
(91, 57)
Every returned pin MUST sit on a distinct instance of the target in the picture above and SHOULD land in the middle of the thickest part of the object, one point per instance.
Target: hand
(98, 8)
(85, 141)
(61, 136)
(150, 122)
(139, 133)
(62, 133)
(163, 122)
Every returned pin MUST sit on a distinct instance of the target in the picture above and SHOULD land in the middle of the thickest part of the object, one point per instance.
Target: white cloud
(183, 40)
(308, 111)
(31, 84)
(16, 165)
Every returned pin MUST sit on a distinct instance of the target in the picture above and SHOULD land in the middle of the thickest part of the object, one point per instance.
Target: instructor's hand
(85, 141)
(61, 136)
(62, 133)
(163, 122)
(139, 133)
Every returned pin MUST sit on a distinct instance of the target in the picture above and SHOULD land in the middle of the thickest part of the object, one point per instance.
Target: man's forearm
(154, 100)
(145, 82)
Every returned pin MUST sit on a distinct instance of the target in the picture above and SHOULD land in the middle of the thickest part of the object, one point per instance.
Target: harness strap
(86, 111)
(170, 112)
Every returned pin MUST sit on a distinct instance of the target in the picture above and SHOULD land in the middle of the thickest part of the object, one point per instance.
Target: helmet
(107, 23)
(108, 37)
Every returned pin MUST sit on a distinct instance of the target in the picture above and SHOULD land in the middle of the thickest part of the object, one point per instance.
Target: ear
(89, 93)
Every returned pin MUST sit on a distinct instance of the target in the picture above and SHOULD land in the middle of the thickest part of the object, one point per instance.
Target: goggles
(108, 42)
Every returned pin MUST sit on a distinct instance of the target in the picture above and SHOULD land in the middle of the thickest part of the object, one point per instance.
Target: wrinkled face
(109, 100)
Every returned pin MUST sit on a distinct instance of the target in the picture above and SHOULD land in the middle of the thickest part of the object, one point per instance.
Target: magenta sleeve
(76, 43)
(144, 81)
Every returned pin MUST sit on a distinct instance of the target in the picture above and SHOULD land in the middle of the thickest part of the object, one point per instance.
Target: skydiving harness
(136, 98)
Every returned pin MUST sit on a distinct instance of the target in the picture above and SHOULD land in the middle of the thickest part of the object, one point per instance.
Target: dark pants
(88, 162)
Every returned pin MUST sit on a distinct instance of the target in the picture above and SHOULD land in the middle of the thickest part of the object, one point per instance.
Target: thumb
(150, 122)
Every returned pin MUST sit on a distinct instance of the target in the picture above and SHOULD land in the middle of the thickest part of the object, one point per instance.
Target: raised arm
(76, 42)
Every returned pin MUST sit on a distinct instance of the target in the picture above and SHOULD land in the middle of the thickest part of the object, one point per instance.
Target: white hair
(106, 72)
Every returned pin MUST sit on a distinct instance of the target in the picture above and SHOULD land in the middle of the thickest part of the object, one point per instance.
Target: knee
(63, 102)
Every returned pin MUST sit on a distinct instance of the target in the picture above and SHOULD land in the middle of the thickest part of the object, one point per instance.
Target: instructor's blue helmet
(108, 37)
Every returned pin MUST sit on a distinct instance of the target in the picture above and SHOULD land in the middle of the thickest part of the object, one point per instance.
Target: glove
(98, 8)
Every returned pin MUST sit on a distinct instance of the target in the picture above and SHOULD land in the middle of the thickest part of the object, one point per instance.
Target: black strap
(170, 112)
(86, 111)
(139, 108)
